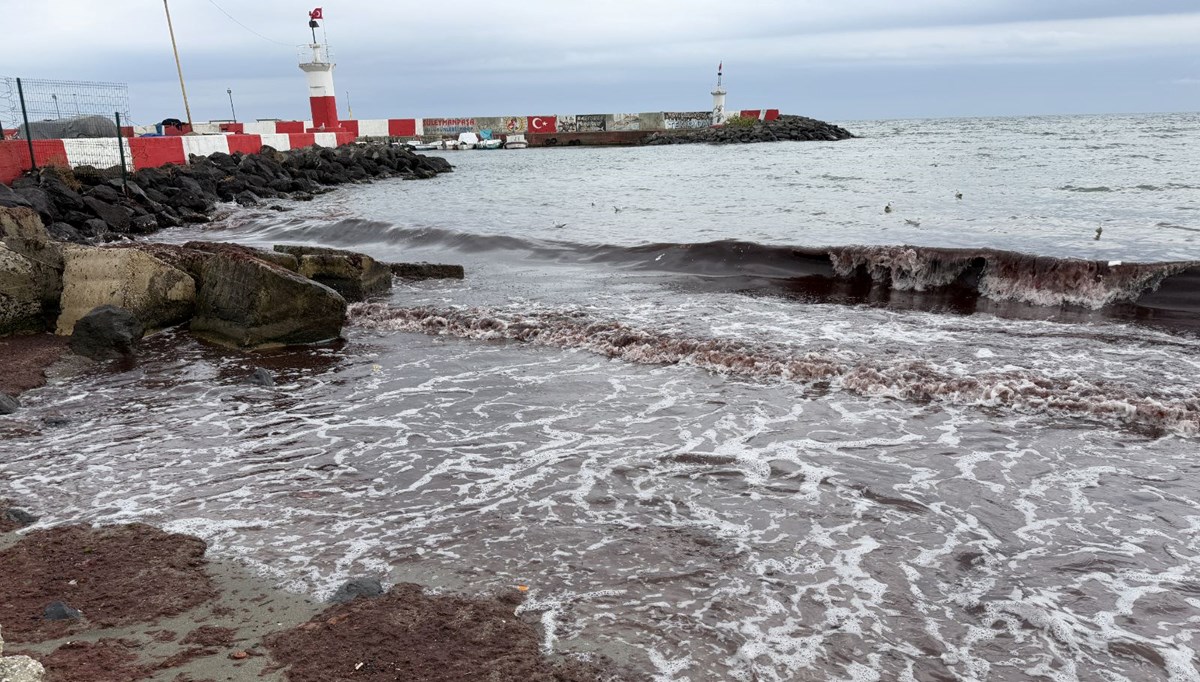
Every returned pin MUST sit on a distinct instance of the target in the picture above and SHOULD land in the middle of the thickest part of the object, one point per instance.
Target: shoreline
(198, 620)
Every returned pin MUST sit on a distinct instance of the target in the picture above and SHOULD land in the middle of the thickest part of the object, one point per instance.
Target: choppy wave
(1003, 276)
(919, 380)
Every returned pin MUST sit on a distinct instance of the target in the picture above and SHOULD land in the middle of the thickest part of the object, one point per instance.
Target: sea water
(697, 473)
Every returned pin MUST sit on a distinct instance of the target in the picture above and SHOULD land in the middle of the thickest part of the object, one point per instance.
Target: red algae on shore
(24, 359)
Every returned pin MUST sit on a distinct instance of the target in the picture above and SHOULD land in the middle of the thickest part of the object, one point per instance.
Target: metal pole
(57, 111)
(76, 96)
(121, 151)
(187, 110)
(231, 109)
(28, 132)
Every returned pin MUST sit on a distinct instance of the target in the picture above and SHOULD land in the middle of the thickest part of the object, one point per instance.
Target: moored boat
(515, 142)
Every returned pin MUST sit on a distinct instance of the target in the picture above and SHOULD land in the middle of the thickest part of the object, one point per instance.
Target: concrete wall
(147, 152)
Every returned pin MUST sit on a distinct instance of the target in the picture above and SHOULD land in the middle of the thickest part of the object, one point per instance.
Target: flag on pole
(315, 14)
(720, 67)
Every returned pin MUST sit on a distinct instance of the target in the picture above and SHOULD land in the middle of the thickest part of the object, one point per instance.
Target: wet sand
(153, 608)
(24, 359)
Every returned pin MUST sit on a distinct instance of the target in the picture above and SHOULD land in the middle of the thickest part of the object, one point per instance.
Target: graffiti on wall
(626, 122)
(590, 123)
(675, 120)
(449, 126)
(513, 124)
(567, 124)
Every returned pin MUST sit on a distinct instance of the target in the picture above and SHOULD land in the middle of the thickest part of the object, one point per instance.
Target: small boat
(418, 145)
(515, 142)
(486, 141)
(466, 141)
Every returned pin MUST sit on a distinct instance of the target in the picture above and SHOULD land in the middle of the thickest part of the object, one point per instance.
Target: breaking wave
(851, 273)
(918, 380)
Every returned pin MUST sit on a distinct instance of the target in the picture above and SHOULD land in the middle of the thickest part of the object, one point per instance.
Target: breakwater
(88, 205)
(746, 130)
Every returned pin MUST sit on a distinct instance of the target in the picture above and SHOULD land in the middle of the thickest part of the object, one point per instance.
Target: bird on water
(888, 208)
(914, 223)
(958, 195)
(1099, 231)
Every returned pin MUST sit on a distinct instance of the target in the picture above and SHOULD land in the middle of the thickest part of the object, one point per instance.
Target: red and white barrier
(148, 152)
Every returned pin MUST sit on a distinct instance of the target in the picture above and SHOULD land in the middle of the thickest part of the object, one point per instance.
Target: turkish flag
(315, 14)
(543, 124)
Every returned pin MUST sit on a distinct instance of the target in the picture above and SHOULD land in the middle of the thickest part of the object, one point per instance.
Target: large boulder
(21, 230)
(248, 302)
(284, 260)
(20, 295)
(19, 668)
(106, 333)
(159, 294)
(355, 276)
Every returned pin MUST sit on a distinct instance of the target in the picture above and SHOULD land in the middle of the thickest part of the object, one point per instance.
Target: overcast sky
(836, 60)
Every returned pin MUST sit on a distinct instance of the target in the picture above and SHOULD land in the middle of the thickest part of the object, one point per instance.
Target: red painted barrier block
(152, 152)
(14, 157)
(750, 113)
(299, 140)
(346, 138)
(246, 144)
(402, 127)
(772, 114)
(235, 128)
(289, 127)
(350, 127)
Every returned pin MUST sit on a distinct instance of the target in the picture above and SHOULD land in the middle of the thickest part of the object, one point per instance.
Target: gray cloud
(807, 56)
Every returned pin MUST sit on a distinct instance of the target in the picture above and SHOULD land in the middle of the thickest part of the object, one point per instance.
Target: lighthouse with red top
(319, 73)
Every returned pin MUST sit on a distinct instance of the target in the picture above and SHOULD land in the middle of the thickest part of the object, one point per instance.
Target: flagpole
(178, 67)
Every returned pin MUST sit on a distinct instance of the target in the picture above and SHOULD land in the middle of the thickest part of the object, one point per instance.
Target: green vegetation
(741, 122)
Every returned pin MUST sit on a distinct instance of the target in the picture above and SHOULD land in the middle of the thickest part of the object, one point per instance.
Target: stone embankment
(106, 297)
(785, 128)
(88, 205)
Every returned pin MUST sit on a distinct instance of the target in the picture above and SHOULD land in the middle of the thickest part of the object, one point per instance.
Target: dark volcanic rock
(17, 517)
(57, 610)
(427, 271)
(785, 128)
(261, 377)
(367, 588)
(118, 218)
(106, 332)
(11, 199)
(8, 404)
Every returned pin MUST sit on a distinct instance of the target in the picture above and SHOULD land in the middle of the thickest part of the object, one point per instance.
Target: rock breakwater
(90, 205)
(742, 131)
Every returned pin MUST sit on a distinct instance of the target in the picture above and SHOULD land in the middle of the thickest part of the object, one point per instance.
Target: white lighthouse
(718, 110)
(319, 73)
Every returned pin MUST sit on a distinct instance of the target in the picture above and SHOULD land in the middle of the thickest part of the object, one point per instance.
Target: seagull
(1099, 230)
(560, 225)
(914, 223)
(958, 195)
(888, 208)
(593, 204)
(616, 210)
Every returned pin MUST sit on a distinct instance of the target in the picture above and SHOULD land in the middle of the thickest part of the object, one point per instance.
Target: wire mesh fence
(86, 115)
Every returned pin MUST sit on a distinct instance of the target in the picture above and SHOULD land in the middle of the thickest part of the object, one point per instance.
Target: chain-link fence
(86, 116)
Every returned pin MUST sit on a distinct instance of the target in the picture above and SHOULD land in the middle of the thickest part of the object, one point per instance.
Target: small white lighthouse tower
(718, 110)
(319, 73)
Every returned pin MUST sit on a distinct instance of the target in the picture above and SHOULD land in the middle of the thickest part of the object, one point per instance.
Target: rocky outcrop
(159, 294)
(427, 271)
(106, 333)
(248, 302)
(21, 232)
(737, 131)
(89, 205)
(355, 276)
(20, 297)
(19, 668)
